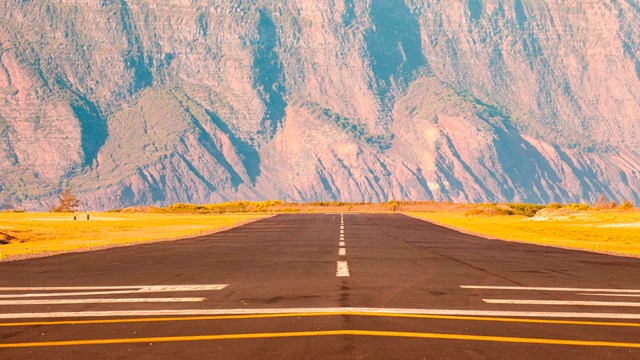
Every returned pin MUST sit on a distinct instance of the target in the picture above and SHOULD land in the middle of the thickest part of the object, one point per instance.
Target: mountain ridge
(151, 103)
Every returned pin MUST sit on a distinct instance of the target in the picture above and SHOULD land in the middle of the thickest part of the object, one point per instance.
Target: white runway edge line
(136, 290)
(561, 302)
(328, 310)
(98, 301)
(633, 291)
(342, 269)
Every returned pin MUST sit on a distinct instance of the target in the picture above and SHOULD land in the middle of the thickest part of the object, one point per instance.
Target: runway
(323, 286)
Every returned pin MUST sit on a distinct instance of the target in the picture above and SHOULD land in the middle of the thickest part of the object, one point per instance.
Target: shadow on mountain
(93, 128)
(394, 44)
(209, 144)
(634, 5)
(628, 51)
(134, 60)
(451, 178)
(526, 168)
(521, 16)
(349, 13)
(590, 183)
(248, 154)
(269, 74)
(475, 9)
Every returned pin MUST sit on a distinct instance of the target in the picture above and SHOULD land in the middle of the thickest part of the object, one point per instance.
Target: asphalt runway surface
(323, 286)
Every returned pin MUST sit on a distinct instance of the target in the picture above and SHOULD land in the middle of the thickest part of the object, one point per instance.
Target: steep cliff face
(154, 102)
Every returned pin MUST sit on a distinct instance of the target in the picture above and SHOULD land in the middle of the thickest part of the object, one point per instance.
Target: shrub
(182, 208)
(555, 206)
(528, 210)
(393, 205)
(490, 210)
(581, 207)
(626, 205)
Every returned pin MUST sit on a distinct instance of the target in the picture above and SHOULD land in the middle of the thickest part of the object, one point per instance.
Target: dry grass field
(571, 226)
(36, 234)
(609, 231)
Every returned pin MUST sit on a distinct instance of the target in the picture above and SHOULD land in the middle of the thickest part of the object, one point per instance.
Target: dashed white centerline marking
(561, 302)
(343, 269)
(548, 289)
(98, 301)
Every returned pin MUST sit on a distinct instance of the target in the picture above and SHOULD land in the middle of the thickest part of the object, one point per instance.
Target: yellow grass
(610, 231)
(38, 233)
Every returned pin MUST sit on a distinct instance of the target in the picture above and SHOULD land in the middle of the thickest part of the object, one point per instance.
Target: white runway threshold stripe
(97, 301)
(328, 310)
(611, 294)
(342, 269)
(561, 302)
(134, 290)
(142, 288)
(526, 288)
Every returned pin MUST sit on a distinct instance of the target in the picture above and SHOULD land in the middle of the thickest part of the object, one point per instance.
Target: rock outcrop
(136, 102)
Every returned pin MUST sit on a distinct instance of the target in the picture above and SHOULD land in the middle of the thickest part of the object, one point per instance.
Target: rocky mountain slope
(155, 102)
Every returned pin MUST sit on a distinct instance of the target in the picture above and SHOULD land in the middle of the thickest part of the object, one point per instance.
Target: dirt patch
(560, 215)
(634, 225)
(6, 238)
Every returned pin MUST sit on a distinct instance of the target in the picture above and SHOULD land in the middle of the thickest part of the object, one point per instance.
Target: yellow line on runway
(173, 339)
(499, 319)
(320, 314)
(324, 333)
(492, 338)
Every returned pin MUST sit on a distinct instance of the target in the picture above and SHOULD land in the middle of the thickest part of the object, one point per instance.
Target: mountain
(136, 102)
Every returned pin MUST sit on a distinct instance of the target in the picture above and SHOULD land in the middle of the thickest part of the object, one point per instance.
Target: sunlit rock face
(153, 102)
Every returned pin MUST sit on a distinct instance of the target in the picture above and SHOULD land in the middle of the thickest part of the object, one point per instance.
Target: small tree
(68, 202)
(603, 203)
(8, 206)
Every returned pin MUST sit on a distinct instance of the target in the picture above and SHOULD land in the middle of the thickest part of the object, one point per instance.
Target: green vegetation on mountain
(356, 129)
